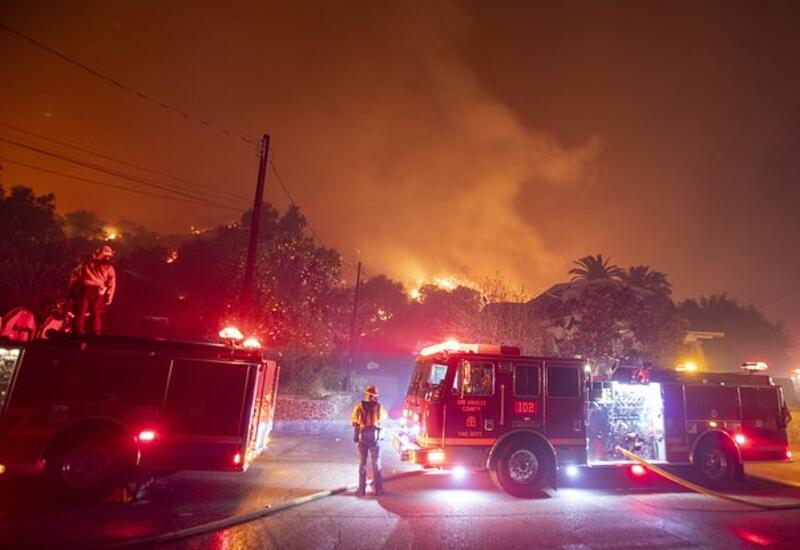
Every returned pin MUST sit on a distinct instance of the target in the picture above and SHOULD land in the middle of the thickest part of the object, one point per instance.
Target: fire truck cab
(525, 418)
(90, 411)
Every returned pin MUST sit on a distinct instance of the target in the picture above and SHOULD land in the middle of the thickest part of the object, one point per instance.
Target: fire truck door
(675, 423)
(524, 408)
(564, 403)
(473, 407)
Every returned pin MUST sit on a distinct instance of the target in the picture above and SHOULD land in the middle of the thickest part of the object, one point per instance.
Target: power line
(291, 200)
(110, 171)
(157, 102)
(308, 223)
(102, 183)
(120, 161)
(113, 172)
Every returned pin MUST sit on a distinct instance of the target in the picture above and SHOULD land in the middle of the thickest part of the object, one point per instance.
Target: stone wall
(303, 414)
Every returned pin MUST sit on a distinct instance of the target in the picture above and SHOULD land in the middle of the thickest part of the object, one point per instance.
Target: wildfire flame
(448, 283)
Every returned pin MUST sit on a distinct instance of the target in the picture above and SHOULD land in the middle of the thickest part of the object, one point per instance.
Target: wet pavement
(438, 510)
(435, 510)
(293, 466)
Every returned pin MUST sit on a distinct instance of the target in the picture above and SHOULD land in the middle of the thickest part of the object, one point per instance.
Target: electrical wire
(107, 184)
(111, 172)
(308, 223)
(157, 102)
(120, 161)
(291, 200)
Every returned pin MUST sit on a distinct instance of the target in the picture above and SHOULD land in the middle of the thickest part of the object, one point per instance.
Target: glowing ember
(111, 233)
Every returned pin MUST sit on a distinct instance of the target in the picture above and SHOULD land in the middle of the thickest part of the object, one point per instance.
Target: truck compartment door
(675, 435)
(206, 415)
(565, 406)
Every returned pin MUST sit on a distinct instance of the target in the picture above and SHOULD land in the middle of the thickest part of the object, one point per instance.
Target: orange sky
(438, 138)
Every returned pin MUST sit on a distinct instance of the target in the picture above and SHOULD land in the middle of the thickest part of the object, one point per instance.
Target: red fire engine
(526, 418)
(90, 411)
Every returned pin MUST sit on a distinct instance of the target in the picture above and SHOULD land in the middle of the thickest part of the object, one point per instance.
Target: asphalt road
(434, 510)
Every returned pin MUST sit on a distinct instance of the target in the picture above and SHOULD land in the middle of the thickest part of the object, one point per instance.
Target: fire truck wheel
(715, 463)
(522, 468)
(89, 465)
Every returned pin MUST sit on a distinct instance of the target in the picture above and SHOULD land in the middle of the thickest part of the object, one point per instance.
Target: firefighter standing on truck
(92, 286)
(366, 432)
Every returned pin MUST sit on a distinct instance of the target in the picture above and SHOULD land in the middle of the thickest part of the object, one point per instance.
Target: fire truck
(526, 419)
(89, 412)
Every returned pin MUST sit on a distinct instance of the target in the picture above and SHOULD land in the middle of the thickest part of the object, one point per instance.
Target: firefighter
(366, 420)
(92, 287)
(484, 383)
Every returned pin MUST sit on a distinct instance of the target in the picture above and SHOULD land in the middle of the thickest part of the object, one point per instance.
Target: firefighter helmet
(372, 390)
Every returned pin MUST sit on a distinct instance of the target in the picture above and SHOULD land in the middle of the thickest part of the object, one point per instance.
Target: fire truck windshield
(427, 377)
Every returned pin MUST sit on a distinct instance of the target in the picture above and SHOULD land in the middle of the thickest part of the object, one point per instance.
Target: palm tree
(595, 267)
(643, 277)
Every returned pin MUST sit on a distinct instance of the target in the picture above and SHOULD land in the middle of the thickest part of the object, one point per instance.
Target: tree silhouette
(642, 276)
(749, 334)
(35, 256)
(593, 268)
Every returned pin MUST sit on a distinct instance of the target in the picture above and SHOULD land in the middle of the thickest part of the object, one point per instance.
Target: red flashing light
(789, 454)
(146, 436)
(237, 459)
(638, 470)
(456, 346)
(231, 333)
(740, 439)
(251, 343)
(450, 345)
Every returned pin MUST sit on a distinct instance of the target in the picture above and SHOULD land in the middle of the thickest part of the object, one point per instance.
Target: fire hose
(233, 521)
(703, 490)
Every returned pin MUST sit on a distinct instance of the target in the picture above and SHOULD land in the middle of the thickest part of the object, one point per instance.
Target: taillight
(638, 470)
(146, 436)
(789, 454)
(237, 459)
(2, 469)
(740, 439)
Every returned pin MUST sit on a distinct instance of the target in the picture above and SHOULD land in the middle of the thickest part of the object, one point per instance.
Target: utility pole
(353, 327)
(246, 305)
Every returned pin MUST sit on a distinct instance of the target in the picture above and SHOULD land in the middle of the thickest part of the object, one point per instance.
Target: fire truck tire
(523, 468)
(715, 463)
(89, 465)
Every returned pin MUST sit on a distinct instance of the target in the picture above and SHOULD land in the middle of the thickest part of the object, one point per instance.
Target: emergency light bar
(231, 333)
(754, 366)
(251, 343)
(453, 346)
